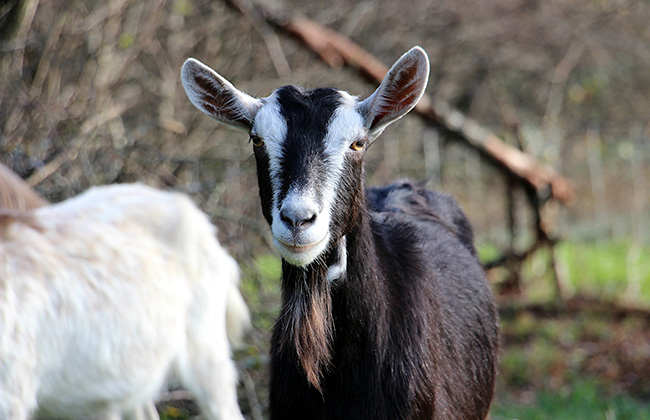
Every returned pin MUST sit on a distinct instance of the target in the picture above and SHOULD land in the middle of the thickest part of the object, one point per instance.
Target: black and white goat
(387, 313)
(104, 296)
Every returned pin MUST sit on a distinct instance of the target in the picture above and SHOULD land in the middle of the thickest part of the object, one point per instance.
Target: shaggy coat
(104, 296)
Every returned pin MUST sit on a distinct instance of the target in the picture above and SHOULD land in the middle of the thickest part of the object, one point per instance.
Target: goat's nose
(298, 217)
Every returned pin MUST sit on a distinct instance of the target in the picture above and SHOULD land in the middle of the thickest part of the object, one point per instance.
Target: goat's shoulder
(112, 203)
(410, 204)
(113, 220)
(425, 247)
(424, 242)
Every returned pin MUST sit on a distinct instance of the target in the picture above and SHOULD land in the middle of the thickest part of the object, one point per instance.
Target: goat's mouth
(298, 249)
(298, 254)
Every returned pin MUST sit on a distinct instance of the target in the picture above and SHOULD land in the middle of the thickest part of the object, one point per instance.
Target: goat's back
(96, 279)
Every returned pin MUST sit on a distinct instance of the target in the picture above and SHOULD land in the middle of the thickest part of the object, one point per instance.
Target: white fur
(271, 126)
(105, 295)
(336, 270)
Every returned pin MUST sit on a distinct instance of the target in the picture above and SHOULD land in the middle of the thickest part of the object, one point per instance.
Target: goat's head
(309, 146)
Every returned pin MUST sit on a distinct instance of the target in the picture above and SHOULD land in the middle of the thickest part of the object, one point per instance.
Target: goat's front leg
(211, 376)
(18, 380)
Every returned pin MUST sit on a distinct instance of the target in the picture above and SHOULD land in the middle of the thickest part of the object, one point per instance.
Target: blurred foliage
(91, 93)
(586, 366)
(551, 351)
(610, 270)
(171, 412)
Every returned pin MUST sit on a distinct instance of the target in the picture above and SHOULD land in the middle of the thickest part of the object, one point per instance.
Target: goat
(106, 296)
(386, 313)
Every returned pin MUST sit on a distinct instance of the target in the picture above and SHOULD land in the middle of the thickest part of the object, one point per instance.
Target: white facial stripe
(346, 126)
(269, 122)
(271, 126)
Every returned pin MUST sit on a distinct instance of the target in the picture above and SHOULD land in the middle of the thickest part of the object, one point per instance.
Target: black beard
(306, 323)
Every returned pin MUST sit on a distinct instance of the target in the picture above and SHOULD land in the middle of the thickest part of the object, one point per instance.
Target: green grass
(577, 366)
(609, 270)
(261, 288)
(170, 412)
(566, 365)
(582, 400)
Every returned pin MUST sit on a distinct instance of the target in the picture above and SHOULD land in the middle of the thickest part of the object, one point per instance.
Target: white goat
(103, 297)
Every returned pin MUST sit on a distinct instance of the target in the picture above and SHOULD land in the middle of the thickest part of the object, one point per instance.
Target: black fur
(415, 333)
(264, 182)
(409, 198)
(409, 331)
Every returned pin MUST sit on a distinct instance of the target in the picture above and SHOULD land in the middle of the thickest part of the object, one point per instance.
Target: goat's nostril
(307, 221)
(298, 218)
(286, 219)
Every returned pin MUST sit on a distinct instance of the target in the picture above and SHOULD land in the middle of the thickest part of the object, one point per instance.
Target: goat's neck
(360, 294)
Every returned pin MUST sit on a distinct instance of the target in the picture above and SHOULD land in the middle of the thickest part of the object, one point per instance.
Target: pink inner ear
(218, 101)
(400, 93)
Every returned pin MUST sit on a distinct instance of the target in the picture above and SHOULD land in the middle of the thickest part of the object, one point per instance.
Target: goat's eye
(257, 141)
(358, 145)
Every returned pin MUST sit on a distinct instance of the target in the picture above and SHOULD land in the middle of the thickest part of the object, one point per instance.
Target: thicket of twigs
(91, 95)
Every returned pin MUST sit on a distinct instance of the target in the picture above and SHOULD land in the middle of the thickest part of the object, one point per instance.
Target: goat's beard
(306, 323)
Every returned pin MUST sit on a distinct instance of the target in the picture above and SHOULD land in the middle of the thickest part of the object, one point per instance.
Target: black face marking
(307, 113)
(349, 197)
(264, 182)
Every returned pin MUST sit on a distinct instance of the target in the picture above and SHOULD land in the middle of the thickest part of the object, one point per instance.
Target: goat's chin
(301, 255)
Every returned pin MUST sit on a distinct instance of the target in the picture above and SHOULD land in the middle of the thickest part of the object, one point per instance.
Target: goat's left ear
(213, 94)
(398, 93)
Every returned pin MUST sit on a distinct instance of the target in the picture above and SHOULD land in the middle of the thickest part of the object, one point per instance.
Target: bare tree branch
(337, 51)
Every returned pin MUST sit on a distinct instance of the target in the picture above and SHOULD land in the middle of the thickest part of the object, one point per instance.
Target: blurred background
(90, 94)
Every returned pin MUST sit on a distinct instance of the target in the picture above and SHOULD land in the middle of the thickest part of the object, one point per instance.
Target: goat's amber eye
(257, 141)
(358, 145)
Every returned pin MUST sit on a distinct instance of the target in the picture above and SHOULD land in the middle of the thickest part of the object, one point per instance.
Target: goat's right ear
(398, 93)
(217, 97)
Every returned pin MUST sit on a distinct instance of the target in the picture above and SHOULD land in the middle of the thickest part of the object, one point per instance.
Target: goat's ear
(398, 93)
(217, 97)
